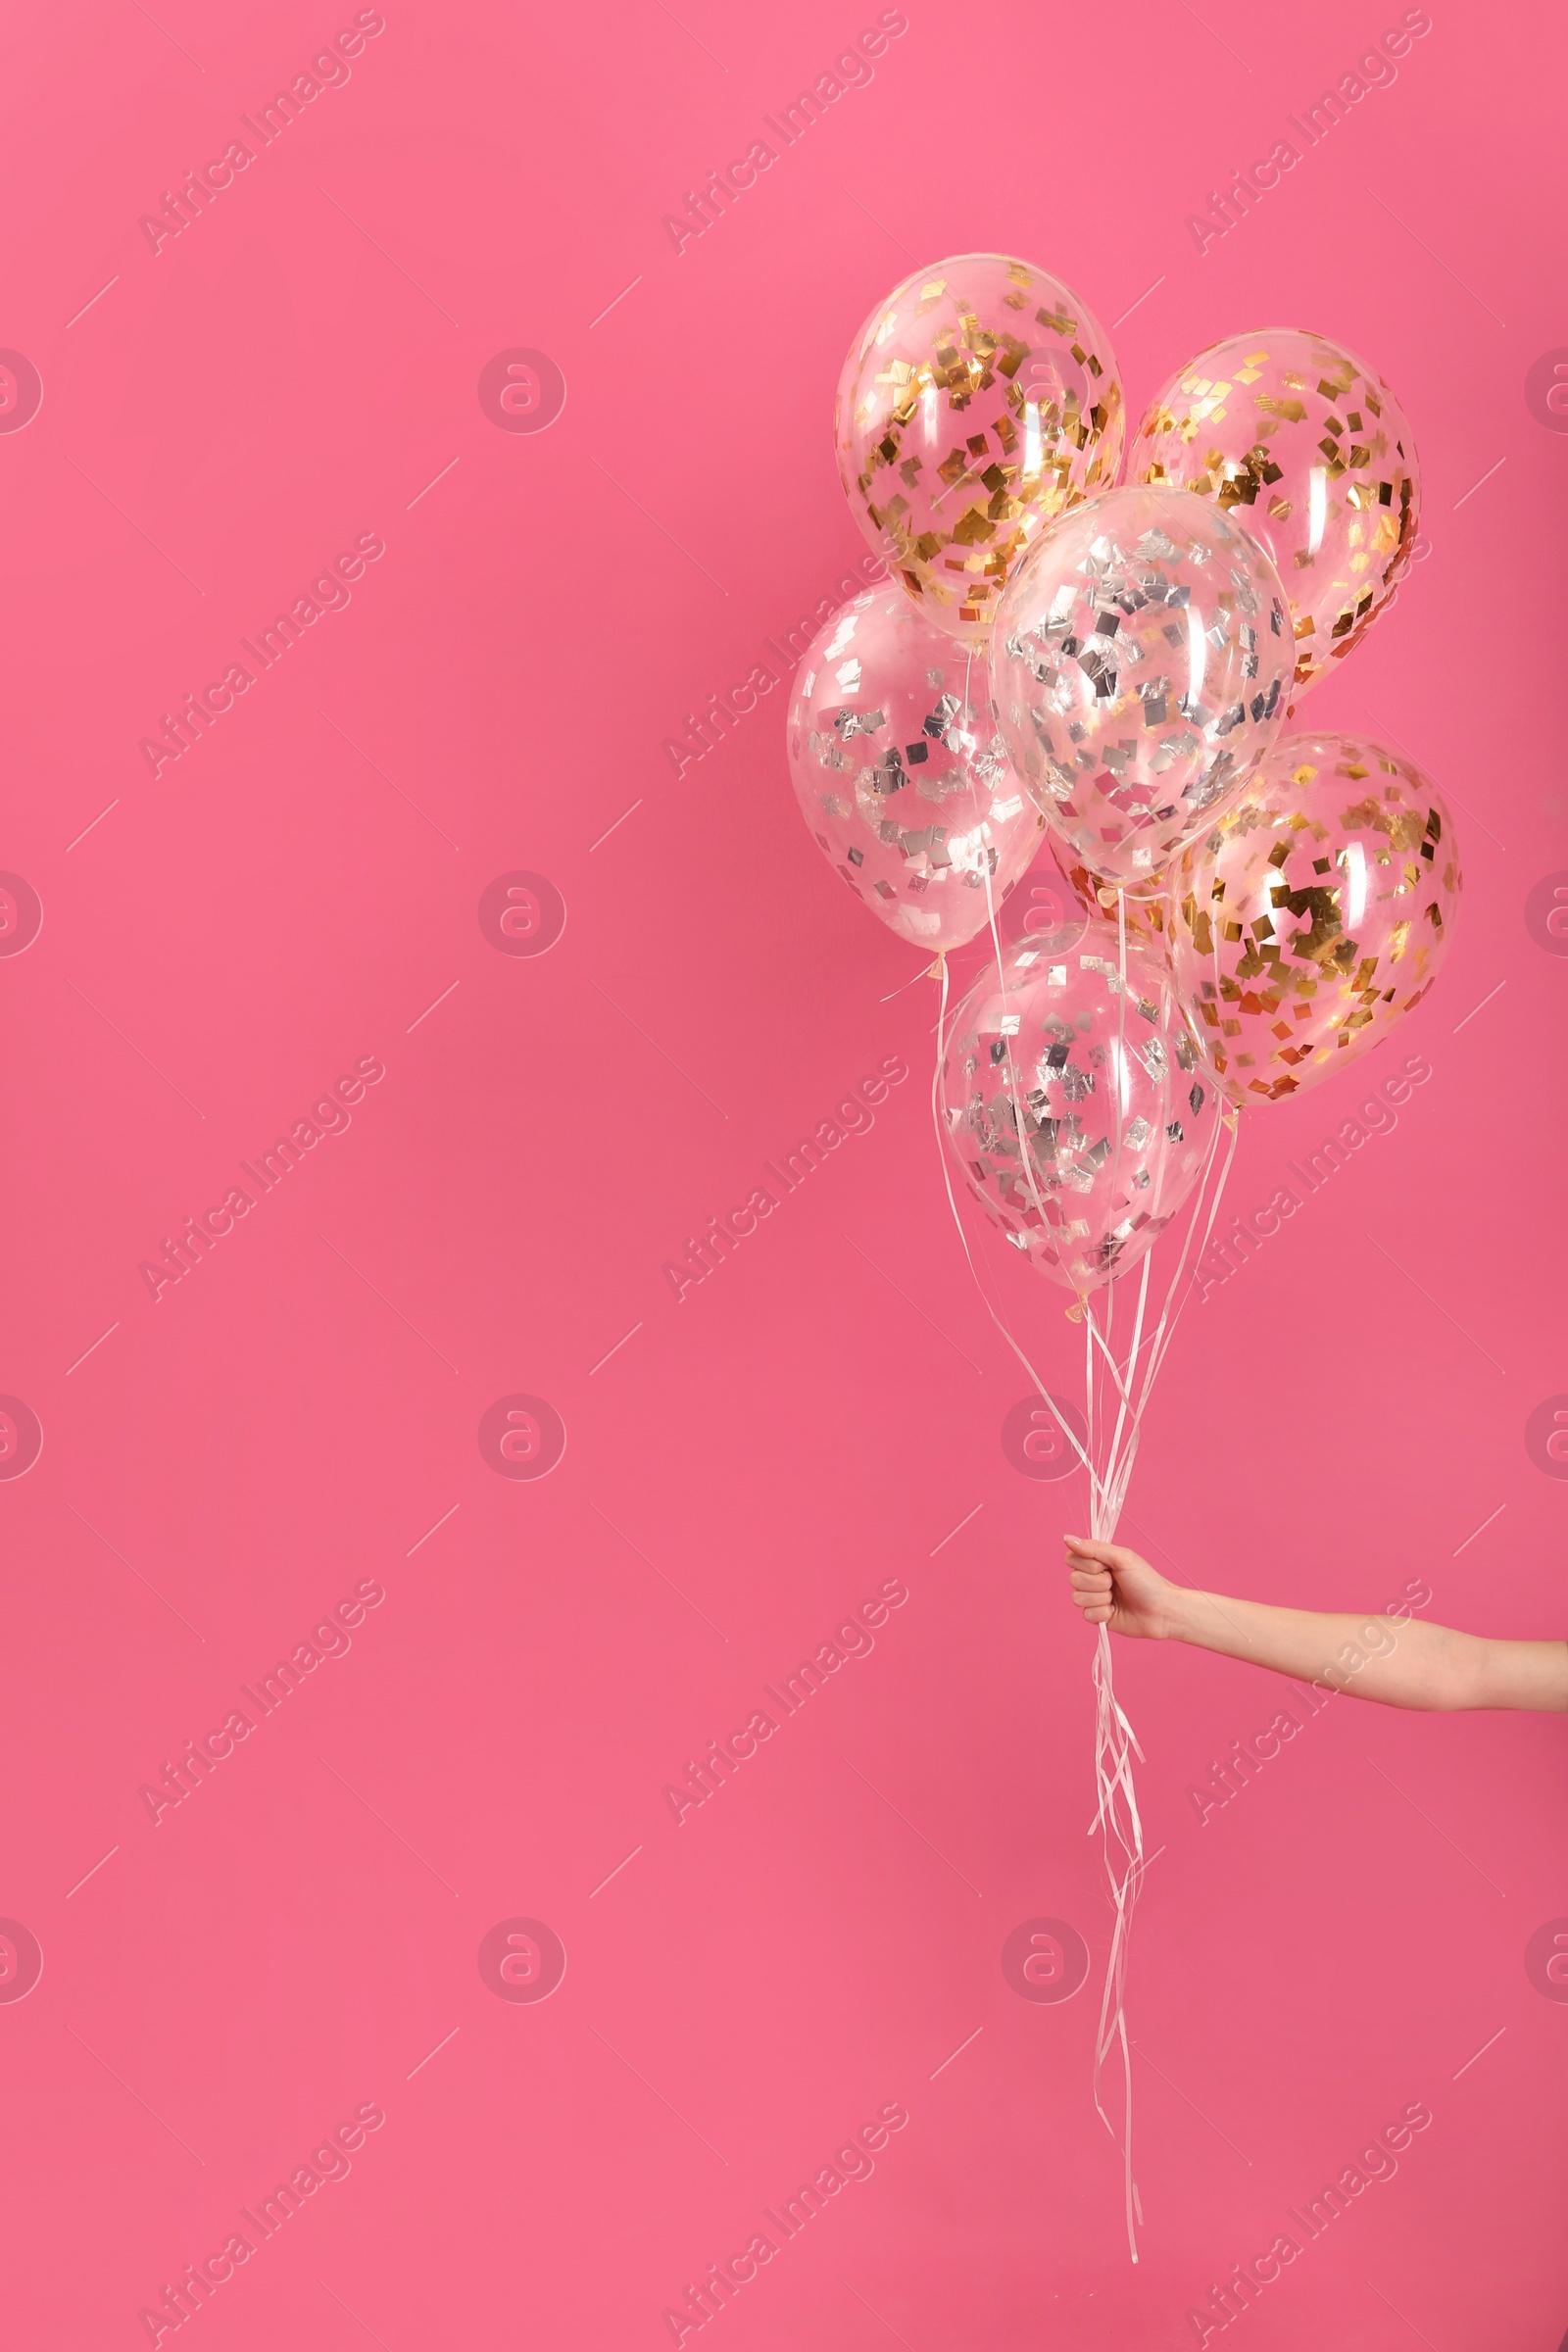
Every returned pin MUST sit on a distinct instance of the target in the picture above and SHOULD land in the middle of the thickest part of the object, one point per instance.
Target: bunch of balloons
(1113, 664)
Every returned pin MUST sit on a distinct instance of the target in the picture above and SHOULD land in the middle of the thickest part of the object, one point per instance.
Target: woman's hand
(1113, 1586)
(1400, 1659)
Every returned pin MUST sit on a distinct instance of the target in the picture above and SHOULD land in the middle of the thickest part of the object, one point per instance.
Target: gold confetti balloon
(1307, 446)
(978, 401)
(1314, 916)
(1140, 666)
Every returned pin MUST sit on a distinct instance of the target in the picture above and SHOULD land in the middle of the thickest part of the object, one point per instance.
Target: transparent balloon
(1308, 446)
(902, 775)
(1076, 1107)
(1315, 915)
(978, 401)
(1140, 666)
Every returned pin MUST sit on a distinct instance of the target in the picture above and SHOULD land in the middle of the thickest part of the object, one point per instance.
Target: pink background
(744, 1466)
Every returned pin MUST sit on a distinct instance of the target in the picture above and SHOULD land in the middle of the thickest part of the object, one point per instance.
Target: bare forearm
(1401, 1661)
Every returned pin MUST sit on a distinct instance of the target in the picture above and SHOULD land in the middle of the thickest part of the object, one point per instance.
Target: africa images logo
(21, 1437)
(20, 391)
(521, 1437)
(521, 1960)
(21, 915)
(521, 390)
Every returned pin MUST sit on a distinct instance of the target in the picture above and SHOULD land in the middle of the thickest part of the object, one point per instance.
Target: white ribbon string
(1117, 1815)
(1109, 1468)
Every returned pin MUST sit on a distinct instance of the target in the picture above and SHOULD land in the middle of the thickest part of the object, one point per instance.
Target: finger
(1085, 1550)
(1091, 1580)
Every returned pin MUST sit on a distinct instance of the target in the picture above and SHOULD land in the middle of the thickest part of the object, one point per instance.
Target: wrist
(1176, 1617)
